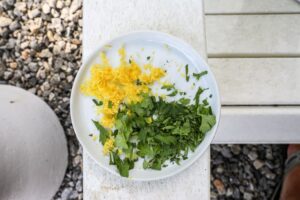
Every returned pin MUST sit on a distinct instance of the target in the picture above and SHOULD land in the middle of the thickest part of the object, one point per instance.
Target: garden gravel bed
(246, 171)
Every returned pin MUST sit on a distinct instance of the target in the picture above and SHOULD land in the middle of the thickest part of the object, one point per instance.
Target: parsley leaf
(121, 141)
(168, 87)
(103, 132)
(97, 103)
(110, 104)
(207, 122)
(199, 75)
(172, 94)
(184, 101)
(187, 77)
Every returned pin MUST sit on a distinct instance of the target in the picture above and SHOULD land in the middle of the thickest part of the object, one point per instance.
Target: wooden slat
(100, 184)
(251, 6)
(105, 19)
(253, 35)
(108, 19)
(248, 81)
(259, 125)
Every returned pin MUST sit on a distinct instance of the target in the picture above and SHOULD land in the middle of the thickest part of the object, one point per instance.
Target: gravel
(245, 171)
(40, 51)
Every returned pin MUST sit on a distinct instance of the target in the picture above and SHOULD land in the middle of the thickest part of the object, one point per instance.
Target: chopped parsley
(157, 131)
(110, 104)
(97, 103)
(199, 75)
(187, 77)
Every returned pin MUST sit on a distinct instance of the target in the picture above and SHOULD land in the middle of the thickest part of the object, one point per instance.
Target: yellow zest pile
(116, 85)
(109, 145)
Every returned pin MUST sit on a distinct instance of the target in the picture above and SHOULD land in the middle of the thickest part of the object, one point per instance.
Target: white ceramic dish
(166, 51)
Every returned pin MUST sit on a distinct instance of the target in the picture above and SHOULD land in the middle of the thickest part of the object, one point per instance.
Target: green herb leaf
(121, 141)
(184, 101)
(103, 132)
(199, 75)
(172, 94)
(187, 77)
(166, 139)
(207, 122)
(97, 103)
(123, 166)
(110, 104)
(168, 87)
(197, 96)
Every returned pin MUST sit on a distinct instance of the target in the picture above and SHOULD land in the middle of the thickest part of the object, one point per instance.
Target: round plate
(33, 147)
(164, 51)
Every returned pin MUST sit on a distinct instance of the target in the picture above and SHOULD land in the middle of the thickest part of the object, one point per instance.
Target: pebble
(79, 186)
(45, 53)
(13, 65)
(258, 164)
(220, 169)
(20, 6)
(229, 192)
(248, 196)
(59, 4)
(33, 67)
(226, 152)
(235, 149)
(76, 4)
(34, 13)
(70, 78)
(11, 43)
(34, 25)
(2, 69)
(7, 75)
(54, 13)
(219, 186)
(77, 161)
(51, 96)
(252, 155)
(5, 21)
(46, 8)
(56, 24)
(55, 79)
(66, 193)
(10, 2)
(14, 26)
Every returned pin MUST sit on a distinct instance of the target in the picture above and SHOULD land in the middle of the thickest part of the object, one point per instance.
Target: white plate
(165, 51)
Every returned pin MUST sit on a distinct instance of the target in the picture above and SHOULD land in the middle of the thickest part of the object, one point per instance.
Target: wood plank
(253, 35)
(259, 125)
(109, 19)
(251, 6)
(105, 19)
(258, 81)
(100, 184)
